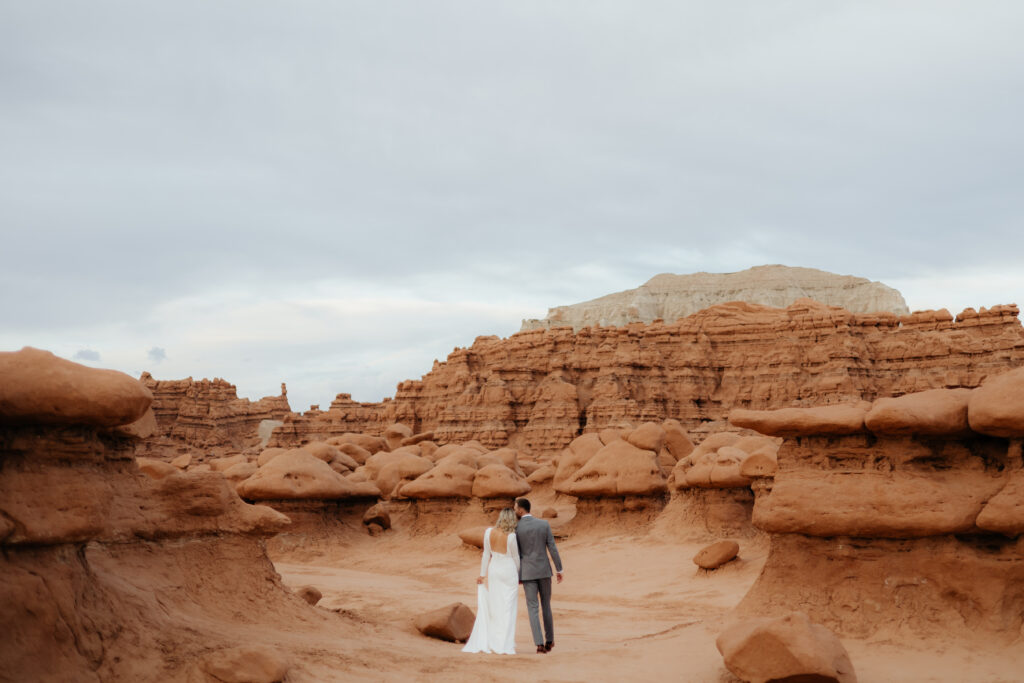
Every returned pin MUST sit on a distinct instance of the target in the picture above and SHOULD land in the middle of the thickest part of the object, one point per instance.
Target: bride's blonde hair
(507, 520)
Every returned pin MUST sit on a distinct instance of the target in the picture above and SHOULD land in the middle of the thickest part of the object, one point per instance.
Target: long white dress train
(496, 604)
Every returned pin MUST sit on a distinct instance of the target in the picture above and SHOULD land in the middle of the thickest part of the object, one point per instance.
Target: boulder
(509, 457)
(618, 469)
(246, 664)
(650, 436)
(38, 387)
(269, 454)
(182, 461)
(836, 419)
(473, 536)
(451, 477)
(574, 456)
(453, 623)
(498, 481)
(155, 469)
(609, 434)
(298, 474)
(391, 470)
(378, 515)
(395, 434)
(542, 474)
(716, 554)
(373, 444)
(358, 454)
(418, 438)
(310, 594)
(996, 407)
(224, 464)
(322, 450)
(761, 463)
(789, 648)
(677, 441)
(934, 412)
(1004, 512)
(240, 472)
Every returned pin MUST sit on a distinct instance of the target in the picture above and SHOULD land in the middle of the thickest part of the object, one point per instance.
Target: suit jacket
(535, 542)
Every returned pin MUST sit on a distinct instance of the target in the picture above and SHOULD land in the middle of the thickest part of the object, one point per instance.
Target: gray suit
(535, 541)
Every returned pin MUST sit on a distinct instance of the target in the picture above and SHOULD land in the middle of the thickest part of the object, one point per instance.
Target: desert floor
(633, 607)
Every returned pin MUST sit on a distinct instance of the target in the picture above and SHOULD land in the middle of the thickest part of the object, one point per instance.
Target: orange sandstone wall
(536, 390)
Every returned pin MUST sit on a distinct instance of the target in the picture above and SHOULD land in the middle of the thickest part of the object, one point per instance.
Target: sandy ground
(632, 607)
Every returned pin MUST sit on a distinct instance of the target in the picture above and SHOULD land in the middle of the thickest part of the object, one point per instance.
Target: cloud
(87, 355)
(156, 354)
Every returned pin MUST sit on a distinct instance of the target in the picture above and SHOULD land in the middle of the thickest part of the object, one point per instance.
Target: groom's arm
(553, 549)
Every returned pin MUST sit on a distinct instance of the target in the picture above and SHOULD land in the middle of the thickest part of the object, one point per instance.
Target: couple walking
(515, 552)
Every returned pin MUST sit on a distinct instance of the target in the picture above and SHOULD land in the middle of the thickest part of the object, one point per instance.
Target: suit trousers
(542, 588)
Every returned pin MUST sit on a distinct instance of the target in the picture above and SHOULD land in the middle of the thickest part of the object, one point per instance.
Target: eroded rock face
(789, 648)
(669, 297)
(539, 390)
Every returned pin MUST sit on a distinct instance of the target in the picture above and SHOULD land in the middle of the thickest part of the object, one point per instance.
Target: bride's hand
(479, 580)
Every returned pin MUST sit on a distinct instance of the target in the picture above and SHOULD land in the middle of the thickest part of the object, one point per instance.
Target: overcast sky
(332, 194)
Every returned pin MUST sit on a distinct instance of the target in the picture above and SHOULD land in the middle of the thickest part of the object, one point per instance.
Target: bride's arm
(513, 549)
(486, 555)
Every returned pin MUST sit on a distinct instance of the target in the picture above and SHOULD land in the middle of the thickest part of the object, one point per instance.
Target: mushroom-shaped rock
(322, 450)
(677, 441)
(789, 648)
(156, 469)
(378, 515)
(716, 554)
(473, 536)
(509, 458)
(395, 434)
(143, 428)
(390, 470)
(837, 419)
(245, 664)
(934, 412)
(996, 407)
(618, 469)
(38, 387)
(298, 474)
(574, 456)
(310, 594)
(1004, 512)
(650, 436)
(451, 477)
(453, 623)
(498, 481)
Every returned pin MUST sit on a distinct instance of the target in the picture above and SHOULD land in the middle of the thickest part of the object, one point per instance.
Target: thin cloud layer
(341, 192)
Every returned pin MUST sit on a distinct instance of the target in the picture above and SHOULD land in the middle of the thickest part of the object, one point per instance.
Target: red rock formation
(202, 415)
(112, 573)
(537, 390)
(877, 528)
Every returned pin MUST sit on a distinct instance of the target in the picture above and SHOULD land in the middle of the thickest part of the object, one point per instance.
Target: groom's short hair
(523, 503)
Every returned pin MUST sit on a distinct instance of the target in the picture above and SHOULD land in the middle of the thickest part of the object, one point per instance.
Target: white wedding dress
(496, 604)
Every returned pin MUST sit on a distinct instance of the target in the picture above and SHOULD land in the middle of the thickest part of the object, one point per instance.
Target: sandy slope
(633, 607)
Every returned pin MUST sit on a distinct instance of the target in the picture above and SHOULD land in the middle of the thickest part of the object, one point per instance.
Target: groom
(535, 542)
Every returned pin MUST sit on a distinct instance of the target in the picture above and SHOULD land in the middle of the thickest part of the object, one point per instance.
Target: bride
(496, 603)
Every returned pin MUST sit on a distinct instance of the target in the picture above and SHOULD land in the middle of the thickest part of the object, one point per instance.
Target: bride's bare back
(499, 541)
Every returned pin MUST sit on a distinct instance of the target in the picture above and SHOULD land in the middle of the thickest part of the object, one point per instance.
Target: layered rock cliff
(670, 297)
(537, 390)
(204, 415)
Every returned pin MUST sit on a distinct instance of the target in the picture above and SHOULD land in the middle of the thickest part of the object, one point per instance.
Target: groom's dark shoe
(541, 650)
(548, 645)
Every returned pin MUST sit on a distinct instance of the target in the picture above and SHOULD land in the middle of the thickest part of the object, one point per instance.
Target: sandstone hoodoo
(670, 297)
(122, 572)
(911, 493)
